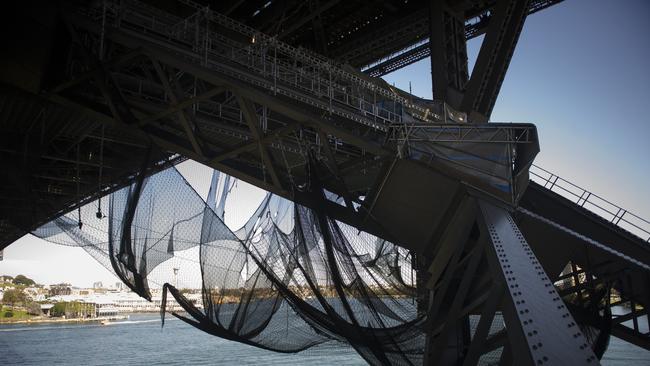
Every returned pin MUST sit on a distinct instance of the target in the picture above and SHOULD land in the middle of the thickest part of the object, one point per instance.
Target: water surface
(141, 341)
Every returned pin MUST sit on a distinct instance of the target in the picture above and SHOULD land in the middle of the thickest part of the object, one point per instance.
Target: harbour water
(141, 341)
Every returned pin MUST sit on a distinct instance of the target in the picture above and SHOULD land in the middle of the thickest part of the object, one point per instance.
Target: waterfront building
(112, 303)
(45, 309)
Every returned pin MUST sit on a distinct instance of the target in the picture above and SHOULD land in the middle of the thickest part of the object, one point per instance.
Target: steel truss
(474, 27)
(194, 91)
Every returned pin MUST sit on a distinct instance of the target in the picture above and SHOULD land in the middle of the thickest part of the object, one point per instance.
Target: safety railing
(499, 133)
(613, 213)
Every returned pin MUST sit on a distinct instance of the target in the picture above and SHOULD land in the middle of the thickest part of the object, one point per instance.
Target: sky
(578, 73)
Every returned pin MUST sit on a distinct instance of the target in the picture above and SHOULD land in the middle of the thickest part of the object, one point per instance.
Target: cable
(99, 213)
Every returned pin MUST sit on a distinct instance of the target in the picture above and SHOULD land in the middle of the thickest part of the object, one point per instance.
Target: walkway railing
(613, 213)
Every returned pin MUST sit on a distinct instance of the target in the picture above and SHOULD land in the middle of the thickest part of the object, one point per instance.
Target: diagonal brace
(187, 126)
(248, 110)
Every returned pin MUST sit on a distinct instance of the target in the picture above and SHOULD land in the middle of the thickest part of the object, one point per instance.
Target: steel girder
(162, 91)
(451, 82)
(494, 57)
(448, 49)
(358, 32)
(490, 299)
(414, 52)
(273, 147)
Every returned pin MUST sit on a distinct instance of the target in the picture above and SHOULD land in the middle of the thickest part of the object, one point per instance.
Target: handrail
(499, 133)
(613, 213)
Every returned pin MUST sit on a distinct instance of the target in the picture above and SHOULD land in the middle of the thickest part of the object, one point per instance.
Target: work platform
(139, 88)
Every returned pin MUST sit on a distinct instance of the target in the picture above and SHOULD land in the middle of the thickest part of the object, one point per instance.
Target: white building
(127, 302)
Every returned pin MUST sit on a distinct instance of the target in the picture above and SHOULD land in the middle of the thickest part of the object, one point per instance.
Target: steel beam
(540, 328)
(415, 52)
(98, 71)
(448, 53)
(333, 165)
(479, 340)
(184, 104)
(446, 348)
(306, 19)
(249, 146)
(248, 109)
(187, 126)
(494, 58)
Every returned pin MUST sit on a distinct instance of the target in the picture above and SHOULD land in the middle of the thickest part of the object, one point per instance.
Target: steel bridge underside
(77, 134)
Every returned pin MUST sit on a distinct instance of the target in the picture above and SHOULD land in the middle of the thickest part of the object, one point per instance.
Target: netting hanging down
(290, 278)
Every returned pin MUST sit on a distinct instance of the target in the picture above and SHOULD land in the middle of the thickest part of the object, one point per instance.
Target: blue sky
(579, 73)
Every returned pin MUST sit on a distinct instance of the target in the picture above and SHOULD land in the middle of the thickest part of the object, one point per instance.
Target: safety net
(287, 278)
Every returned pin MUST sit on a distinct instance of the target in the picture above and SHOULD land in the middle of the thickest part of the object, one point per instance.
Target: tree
(5, 278)
(34, 308)
(14, 296)
(58, 309)
(23, 280)
(71, 309)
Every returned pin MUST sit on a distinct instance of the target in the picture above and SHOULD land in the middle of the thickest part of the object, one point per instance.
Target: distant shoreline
(61, 320)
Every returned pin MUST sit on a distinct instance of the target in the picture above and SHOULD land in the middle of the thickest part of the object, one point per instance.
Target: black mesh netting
(290, 278)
